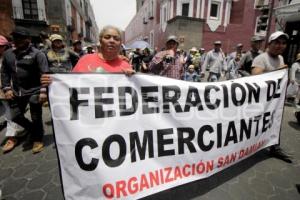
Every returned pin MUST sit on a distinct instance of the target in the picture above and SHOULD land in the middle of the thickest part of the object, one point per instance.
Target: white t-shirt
(267, 62)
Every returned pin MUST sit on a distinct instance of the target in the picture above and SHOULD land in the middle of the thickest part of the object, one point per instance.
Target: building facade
(74, 19)
(288, 20)
(77, 21)
(200, 22)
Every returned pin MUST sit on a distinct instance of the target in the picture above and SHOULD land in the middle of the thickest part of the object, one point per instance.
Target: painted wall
(235, 23)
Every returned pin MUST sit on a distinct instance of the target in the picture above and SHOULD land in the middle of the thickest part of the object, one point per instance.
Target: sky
(114, 12)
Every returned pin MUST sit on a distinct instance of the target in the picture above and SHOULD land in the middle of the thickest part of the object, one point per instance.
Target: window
(165, 14)
(214, 10)
(152, 39)
(261, 3)
(30, 9)
(260, 28)
(185, 9)
(151, 10)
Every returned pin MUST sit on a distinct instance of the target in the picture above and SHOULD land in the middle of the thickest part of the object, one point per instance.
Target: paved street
(35, 177)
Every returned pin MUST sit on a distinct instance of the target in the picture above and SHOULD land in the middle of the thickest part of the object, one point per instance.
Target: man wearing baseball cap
(238, 51)
(60, 58)
(77, 48)
(247, 59)
(21, 70)
(215, 60)
(167, 63)
(269, 61)
(45, 41)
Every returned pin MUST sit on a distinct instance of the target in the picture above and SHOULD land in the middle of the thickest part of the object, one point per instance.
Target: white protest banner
(122, 137)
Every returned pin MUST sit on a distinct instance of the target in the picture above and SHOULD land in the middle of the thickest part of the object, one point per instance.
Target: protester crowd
(25, 69)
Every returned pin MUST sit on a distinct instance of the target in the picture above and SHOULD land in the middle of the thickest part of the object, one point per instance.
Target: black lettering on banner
(272, 119)
(141, 149)
(100, 101)
(161, 142)
(272, 88)
(235, 101)
(277, 95)
(257, 119)
(219, 135)
(124, 111)
(253, 92)
(148, 99)
(185, 140)
(75, 103)
(225, 93)
(231, 134)
(108, 160)
(202, 130)
(167, 98)
(266, 120)
(207, 96)
(89, 142)
(193, 92)
(245, 129)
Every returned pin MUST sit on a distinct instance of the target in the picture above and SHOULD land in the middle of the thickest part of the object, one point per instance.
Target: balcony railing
(34, 15)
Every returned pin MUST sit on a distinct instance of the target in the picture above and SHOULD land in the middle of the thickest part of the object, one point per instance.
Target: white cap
(276, 35)
(194, 49)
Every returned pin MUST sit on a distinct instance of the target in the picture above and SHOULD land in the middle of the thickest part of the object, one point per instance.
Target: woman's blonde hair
(105, 28)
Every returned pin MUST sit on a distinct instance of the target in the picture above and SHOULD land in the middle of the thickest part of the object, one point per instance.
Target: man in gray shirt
(269, 61)
(215, 60)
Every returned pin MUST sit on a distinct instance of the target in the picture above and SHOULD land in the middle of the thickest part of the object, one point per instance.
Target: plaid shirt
(172, 68)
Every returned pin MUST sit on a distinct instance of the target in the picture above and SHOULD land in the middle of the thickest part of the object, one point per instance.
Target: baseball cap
(276, 35)
(55, 37)
(239, 45)
(256, 38)
(218, 42)
(3, 41)
(172, 37)
(20, 31)
(76, 42)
